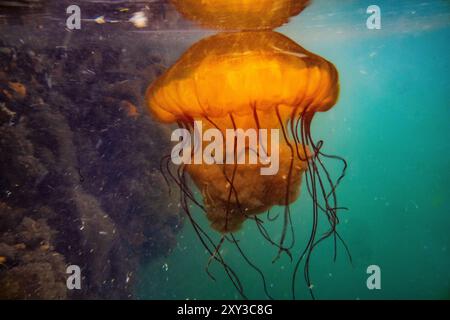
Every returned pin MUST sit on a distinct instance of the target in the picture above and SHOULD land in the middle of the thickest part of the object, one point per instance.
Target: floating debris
(130, 109)
(139, 19)
(58, 92)
(19, 89)
(100, 20)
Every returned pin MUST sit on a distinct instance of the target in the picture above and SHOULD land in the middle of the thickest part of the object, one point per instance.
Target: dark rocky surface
(79, 162)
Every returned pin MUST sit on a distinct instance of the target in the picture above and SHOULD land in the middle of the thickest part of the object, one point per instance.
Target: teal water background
(392, 126)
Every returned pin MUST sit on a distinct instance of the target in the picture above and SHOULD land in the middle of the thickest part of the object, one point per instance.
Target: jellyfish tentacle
(233, 175)
(272, 219)
(258, 128)
(213, 256)
(191, 89)
(165, 159)
(185, 195)
(204, 238)
(231, 181)
(258, 222)
(333, 210)
(251, 264)
(287, 211)
(347, 250)
(310, 181)
(260, 227)
(230, 240)
(263, 231)
(314, 180)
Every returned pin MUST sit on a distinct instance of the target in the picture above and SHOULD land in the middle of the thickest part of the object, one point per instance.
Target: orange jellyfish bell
(246, 80)
(240, 14)
(234, 73)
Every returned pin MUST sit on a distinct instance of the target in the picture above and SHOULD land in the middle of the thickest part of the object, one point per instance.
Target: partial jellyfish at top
(240, 14)
(257, 82)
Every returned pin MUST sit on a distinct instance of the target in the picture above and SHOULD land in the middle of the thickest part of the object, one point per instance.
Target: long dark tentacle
(262, 230)
(314, 183)
(205, 239)
(186, 196)
(333, 207)
(271, 219)
(287, 211)
(242, 211)
(251, 264)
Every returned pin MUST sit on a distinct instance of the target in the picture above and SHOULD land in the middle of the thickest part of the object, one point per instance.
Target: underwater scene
(225, 149)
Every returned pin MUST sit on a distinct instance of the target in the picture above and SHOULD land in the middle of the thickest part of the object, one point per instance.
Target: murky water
(391, 124)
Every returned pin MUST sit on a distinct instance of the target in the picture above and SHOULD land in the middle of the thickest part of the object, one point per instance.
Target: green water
(391, 124)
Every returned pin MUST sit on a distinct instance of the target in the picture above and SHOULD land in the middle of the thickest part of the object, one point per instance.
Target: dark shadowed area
(79, 154)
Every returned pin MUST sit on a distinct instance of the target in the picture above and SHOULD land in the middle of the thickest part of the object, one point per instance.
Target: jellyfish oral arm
(213, 147)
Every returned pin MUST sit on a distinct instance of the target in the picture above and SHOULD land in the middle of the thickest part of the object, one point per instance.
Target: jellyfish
(240, 14)
(252, 80)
